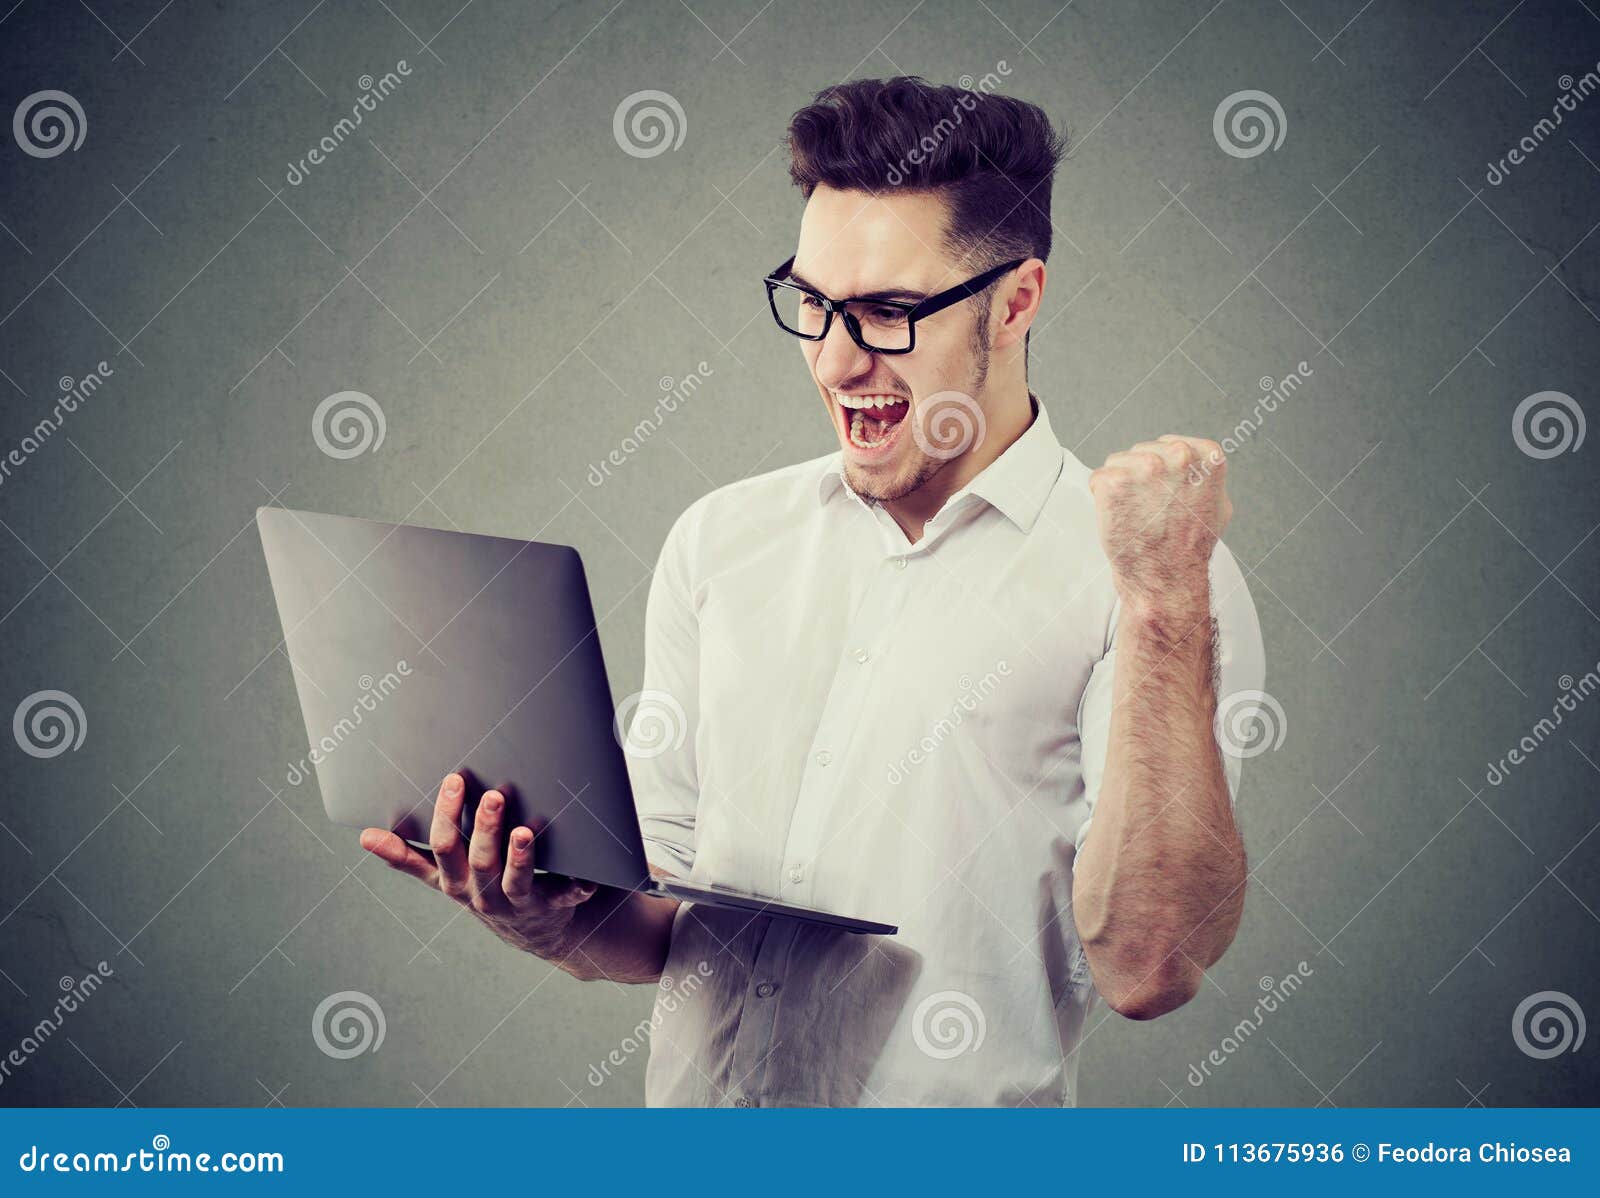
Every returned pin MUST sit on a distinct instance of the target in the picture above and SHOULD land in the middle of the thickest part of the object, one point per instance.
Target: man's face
(854, 244)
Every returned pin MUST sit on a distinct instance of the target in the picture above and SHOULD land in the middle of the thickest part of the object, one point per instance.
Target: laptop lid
(419, 651)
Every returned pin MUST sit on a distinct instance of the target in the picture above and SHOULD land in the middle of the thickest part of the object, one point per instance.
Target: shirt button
(823, 757)
(766, 989)
(796, 873)
(862, 656)
(899, 563)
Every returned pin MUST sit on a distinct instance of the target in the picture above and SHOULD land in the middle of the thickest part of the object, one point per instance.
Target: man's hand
(1163, 505)
(1158, 887)
(532, 913)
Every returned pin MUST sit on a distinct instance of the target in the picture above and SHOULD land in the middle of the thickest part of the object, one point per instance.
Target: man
(910, 673)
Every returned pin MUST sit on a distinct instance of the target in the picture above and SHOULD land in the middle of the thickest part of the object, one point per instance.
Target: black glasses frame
(913, 311)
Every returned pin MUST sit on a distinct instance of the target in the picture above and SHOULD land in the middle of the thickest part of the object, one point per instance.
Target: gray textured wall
(485, 261)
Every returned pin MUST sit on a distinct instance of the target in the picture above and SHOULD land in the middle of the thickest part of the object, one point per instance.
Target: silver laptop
(418, 651)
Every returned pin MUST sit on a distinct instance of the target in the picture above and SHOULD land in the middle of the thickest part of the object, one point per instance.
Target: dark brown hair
(991, 157)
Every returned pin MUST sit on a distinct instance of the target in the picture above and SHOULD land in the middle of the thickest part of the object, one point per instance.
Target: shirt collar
(1016, 484)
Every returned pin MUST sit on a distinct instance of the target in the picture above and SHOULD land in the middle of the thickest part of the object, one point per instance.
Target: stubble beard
(922, 467)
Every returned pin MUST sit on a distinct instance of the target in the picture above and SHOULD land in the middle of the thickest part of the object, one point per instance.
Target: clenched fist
(1163, 505)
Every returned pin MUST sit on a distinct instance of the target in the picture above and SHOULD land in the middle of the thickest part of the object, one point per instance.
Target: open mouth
(872, 421)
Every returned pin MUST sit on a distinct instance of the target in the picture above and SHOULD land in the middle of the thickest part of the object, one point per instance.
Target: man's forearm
(1159, 887)
(619, 935)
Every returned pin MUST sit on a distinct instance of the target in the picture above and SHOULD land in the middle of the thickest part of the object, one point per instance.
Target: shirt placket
(758, 1037)
(760, 1033)
(855, 674)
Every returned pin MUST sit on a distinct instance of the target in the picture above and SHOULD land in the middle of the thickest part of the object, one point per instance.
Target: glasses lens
(798, 312)
(882, 326)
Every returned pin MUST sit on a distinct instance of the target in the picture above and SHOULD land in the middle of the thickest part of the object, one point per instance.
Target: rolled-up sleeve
(660, 743)
(1241, 673)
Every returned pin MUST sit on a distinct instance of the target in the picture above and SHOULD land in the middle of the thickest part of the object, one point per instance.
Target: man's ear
(1020, 298)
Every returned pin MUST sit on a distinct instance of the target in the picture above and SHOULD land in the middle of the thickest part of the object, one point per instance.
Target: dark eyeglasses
(879, 326)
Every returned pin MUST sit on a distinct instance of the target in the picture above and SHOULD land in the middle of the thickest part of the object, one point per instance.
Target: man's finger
(554, 891)
(1201, 448)
(444, 838)
(517, 881)
(1139, 464)
(1174, 450)
(397, 854)
(483, 854)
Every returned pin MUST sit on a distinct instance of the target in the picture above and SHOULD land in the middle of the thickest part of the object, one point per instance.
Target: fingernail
(521, 843)
(452, 785)
(491, 803)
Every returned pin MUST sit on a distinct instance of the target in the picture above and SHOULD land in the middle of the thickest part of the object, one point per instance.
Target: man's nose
(841, 358)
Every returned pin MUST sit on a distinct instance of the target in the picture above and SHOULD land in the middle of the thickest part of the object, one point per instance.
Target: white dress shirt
(907, 733)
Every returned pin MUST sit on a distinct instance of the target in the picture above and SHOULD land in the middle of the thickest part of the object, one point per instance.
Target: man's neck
(1006, 417)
